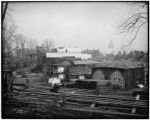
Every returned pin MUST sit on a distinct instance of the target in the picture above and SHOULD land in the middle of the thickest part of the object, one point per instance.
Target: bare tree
(17, 42)
(48, 44)
(32, 43)
(8, 30)
(8, 38)
(20, 42)
(132, 25)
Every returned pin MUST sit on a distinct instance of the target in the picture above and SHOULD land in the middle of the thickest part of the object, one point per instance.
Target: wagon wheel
(98, 74)
(117, 75)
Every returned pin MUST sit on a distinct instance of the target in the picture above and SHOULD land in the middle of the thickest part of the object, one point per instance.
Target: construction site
(74, 60)
(70, 86)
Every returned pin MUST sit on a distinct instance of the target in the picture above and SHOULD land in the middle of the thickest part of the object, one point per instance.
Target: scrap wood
(106, 103)
(105, 100)
(105, 107)
(89, 97)
(37, 98)
(134, 109)
(38, 102)
(102, 98)
(111, 97)
(99, 112)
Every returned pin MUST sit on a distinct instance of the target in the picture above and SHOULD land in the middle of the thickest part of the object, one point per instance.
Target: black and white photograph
(74, 59)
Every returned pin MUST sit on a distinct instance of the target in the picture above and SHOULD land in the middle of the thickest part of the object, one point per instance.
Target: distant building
(76, 55)
(68, 52)
(110, 47)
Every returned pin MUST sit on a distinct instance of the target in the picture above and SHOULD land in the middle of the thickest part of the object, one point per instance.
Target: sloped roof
(65, 63)
(85, 62)
(119, 64)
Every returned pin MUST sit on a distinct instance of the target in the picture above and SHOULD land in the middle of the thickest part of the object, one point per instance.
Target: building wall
(61, 55)
(130, 75)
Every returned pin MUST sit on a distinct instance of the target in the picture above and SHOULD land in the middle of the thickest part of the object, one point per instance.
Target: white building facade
(69, 52)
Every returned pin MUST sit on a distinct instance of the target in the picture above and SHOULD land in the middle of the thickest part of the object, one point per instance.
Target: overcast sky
(88, 25)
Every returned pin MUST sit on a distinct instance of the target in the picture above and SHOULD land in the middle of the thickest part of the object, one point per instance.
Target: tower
(110, 47)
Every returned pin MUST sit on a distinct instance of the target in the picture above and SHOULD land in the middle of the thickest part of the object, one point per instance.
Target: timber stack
(76, 104)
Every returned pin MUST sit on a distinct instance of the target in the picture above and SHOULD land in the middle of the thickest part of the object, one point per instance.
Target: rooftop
(85, 62)
(119, 64)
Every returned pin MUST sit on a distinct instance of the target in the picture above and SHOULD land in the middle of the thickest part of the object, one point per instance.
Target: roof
(85, 62)
(119, 64)
(60, 55)
(65, 63)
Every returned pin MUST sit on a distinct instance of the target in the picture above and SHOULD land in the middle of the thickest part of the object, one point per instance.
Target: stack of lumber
(78, 102)
(86, 84)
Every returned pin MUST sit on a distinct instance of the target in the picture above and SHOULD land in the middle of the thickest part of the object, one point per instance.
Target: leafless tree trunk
(4, 9)
(8, 30)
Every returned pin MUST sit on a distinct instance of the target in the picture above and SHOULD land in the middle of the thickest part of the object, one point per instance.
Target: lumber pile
(80, 103)
(86, 84)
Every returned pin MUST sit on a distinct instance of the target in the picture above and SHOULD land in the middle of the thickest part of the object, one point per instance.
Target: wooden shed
(81, 67)
(128, 73)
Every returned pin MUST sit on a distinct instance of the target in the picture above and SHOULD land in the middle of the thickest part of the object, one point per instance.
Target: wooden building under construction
(127, 73)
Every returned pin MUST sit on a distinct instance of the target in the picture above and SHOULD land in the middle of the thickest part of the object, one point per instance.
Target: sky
(87, 25)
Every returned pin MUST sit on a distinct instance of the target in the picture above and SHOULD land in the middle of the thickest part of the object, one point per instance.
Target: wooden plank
(134, 109)
(106, 103)
(92, 105)
(99, 112)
